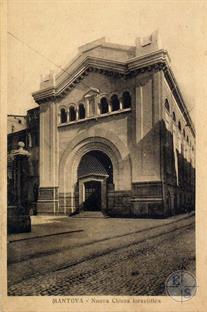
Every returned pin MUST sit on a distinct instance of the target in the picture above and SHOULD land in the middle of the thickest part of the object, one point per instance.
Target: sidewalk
(43, 226)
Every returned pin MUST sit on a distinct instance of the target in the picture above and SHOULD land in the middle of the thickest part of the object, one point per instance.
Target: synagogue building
(115, 135)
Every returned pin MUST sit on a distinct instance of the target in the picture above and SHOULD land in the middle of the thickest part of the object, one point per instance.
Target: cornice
(103, 66)
(44, 94)
(158, 60)
(160, 56)
(178, 96)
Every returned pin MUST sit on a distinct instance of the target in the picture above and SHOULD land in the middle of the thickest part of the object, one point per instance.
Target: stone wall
(119, 204)
(178, 160)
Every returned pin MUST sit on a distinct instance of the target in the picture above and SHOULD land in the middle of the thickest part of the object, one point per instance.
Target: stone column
(87, 108)
(120, 104)
(77, 112)
(68, 115)
(19, 220)
(98, 108)
(59, 118)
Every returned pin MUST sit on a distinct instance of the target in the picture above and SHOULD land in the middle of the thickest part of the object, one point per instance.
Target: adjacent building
(24, 129)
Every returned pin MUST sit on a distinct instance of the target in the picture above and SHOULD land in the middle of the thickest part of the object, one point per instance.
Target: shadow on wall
(175, 194)
(179, 174)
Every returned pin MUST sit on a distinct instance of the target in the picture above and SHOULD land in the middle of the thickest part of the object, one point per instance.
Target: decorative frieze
(106, 67)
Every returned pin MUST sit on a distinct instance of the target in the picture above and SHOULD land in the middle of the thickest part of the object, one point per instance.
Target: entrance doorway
(95, 177)
(92, 196)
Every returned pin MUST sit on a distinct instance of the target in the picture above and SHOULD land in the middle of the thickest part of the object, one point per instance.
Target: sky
(44, 33)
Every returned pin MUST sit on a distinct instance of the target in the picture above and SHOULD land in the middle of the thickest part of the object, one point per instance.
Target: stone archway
(114, 148)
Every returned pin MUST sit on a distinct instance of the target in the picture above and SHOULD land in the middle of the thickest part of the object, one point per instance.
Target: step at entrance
(90, 214)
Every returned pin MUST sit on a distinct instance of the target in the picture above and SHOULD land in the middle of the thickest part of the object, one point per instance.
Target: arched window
(167, 105)
(174, 117)
(81, 110)
(115, 105)
(126, 97)
(63, 115)
(104, 106)
(72, 113)
(179, 125)
(184, 133)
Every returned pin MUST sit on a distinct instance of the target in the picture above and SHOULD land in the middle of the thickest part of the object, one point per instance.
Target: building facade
(115, 134)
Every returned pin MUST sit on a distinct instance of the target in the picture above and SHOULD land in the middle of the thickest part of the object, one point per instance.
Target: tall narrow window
(179, 125)
(126, 99)
(72, 113)
(174, 117)
(167, 105)
(63, 115)
(82, 113)
(104, 106)
(115, 105)
(184, 133)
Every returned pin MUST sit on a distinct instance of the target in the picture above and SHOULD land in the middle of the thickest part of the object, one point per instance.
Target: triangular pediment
(92, 91)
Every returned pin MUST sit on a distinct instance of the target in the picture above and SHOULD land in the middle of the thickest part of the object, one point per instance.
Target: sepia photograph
(101, 152)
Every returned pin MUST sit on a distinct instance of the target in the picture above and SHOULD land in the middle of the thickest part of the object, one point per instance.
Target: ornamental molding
(178, 96)
(107, 67)
(152, 62)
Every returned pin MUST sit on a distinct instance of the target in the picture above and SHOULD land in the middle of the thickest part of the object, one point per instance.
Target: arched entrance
(95, 177)
(92, 140)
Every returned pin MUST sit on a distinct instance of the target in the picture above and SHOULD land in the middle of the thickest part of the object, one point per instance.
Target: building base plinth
(18, 223)
(47, 203)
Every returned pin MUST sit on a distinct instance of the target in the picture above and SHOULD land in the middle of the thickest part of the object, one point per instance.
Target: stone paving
(94, 224)
(74, 231)
(46, 254)
(137, 269)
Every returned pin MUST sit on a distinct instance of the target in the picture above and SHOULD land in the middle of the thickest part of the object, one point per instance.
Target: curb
(40, 236)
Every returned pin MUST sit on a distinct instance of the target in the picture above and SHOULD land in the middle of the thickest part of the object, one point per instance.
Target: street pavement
(100, 256)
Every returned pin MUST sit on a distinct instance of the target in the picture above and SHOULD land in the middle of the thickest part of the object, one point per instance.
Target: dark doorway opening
(96, 163)
(95, 177)
(92, 196)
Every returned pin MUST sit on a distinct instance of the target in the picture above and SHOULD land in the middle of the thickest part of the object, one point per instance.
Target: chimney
(47, 80)
(92, 44)
(148, 44)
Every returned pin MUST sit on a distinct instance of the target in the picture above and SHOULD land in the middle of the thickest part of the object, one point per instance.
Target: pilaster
(48, 164)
